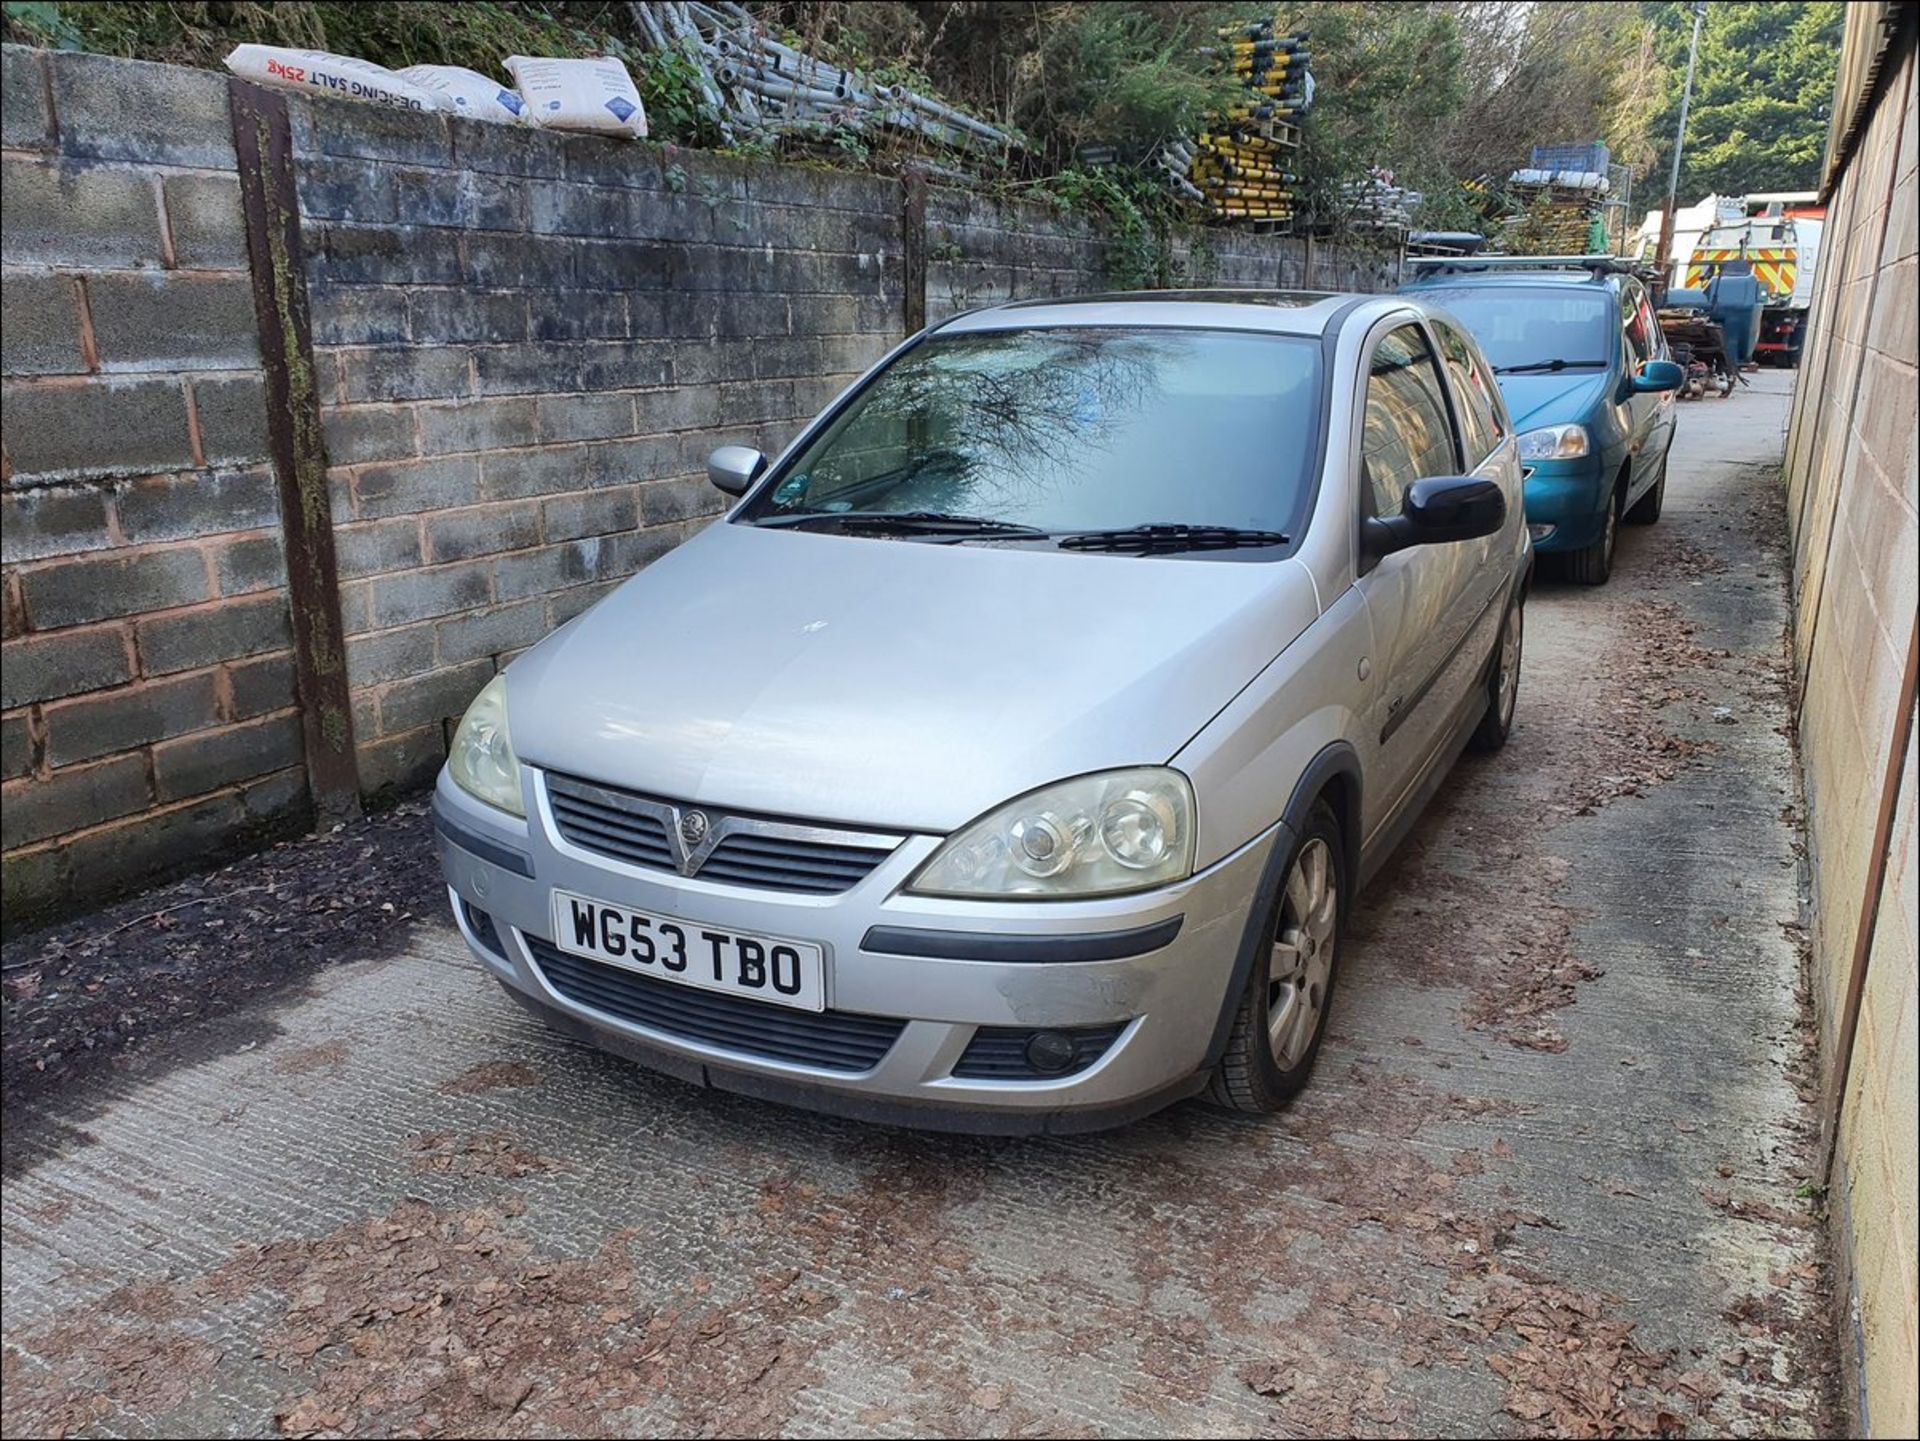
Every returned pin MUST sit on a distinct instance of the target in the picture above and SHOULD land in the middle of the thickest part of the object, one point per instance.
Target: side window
(1635, 318)
(1490, 388)
(1407, 434)
(1479, 412)
(1650, 327)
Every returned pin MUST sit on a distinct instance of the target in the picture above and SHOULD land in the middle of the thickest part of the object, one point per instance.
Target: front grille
(590, 817)
(830, 1040)
(749, 850)
(789, 865)
(999, 1053)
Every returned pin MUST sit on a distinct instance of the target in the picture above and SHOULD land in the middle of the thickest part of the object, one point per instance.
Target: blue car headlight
(1555, 442)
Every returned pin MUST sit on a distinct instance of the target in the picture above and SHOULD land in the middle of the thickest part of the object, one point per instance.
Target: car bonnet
(1566, 397)
(891, 683)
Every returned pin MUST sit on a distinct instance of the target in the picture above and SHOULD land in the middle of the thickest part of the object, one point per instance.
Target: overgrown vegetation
(1762, 94)
(1436, 93)
(1137, 215)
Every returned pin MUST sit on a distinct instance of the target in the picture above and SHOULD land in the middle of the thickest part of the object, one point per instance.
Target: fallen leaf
(1266, 1378)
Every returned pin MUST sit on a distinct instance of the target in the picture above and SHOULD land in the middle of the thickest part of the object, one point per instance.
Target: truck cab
(1781, 243)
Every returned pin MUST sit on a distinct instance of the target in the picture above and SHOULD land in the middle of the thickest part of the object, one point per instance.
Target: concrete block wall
(1855, 519)
(1288, 263)
(981, 252)
(146, 682)
(527, 344)
(985, 252)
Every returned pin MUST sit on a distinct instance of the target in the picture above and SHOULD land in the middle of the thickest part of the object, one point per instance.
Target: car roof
(1273, 312)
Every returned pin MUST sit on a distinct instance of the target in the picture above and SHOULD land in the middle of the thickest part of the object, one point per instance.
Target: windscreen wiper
(910, 522)
(1540, 365)
(1147, 539)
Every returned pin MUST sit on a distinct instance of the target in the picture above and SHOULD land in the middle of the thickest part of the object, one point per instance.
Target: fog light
(1541, 532)
(481, 924)
(1050, 1051)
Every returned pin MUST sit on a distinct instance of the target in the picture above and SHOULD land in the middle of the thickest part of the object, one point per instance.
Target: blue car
(1587, 377)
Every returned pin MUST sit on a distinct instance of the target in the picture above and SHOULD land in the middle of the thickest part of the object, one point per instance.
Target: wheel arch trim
(1337, 762)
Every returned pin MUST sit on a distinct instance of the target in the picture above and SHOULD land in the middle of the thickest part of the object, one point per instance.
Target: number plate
(761, 968)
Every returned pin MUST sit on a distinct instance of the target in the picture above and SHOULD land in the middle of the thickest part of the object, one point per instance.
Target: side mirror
(1659, 375)
(1439, 509)
(732, 468)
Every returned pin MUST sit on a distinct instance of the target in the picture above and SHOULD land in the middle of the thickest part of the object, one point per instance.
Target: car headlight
(482, 762)
(1097, 835)
(1555, 442)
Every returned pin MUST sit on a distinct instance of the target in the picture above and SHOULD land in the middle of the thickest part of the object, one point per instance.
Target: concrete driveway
(1550, 1177)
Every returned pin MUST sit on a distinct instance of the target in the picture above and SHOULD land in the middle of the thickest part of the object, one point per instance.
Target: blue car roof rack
(1594, 265)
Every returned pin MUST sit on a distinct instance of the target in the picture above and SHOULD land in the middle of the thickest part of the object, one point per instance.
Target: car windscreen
(1071, 430)
(1519, 327)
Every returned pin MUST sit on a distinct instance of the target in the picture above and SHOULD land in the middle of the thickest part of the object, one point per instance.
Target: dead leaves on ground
(1578, 1373)
(449, 1323)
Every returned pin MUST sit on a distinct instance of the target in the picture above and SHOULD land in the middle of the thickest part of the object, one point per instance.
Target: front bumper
(1165, 1003)
(1571, 496)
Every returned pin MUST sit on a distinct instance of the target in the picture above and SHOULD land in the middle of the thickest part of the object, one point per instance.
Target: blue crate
(1586, 158)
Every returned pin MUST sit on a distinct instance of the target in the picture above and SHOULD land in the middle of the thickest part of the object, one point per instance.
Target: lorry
(1778, 233)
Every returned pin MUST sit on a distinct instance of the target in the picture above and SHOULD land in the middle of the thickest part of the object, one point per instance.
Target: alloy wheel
(1300, 966)
(1507, 684)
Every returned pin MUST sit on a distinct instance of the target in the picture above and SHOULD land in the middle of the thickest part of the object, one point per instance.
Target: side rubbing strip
(985, 946)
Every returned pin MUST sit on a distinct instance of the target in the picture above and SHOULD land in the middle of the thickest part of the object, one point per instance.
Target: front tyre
(1646, 510)
(1592, 564)
(1282, 1015)
(1503, 680)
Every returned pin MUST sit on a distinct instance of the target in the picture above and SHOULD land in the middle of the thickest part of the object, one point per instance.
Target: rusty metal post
(262, 139)
(913, 250)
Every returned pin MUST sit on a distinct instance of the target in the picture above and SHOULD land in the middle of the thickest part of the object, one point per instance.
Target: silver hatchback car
(1008, 757)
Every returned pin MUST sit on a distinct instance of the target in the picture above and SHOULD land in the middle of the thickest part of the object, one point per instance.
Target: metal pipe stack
(1273, 67)
(1239, 167)
(757, 85)
(1377, 204)
(1558, 198)
(1558, 211)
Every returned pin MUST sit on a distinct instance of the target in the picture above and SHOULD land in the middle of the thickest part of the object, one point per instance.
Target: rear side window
(1648, 325)
(1639, 324)
(1407, 435)
(1479, 406)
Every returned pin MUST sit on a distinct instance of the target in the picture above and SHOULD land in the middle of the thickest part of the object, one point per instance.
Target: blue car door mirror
(1659, 375)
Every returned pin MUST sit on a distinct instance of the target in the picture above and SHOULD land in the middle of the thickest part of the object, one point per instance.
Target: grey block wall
(985, 252)
(146, 685)
(526, 344)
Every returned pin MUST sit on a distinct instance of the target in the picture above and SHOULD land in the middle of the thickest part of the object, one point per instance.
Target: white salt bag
(591, 95)
(315, 72)
(461, 91)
